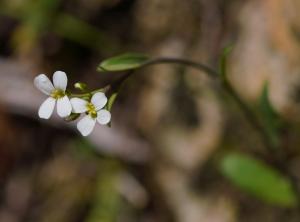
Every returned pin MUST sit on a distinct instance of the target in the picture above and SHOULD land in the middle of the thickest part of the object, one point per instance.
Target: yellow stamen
(91, 110)
(57, 94)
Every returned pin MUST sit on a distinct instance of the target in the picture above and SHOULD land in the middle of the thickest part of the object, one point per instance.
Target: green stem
(248, 112)
(250, 115)
(87, 95)
(204, 68)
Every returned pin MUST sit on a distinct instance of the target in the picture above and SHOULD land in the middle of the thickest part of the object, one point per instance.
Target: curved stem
(249, 114)
(84, 95)
(204, 68)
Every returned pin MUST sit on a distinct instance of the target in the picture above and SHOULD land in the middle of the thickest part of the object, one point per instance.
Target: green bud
(79, 85)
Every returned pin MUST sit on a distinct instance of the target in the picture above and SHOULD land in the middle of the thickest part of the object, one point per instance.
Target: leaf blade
(123, 62)
(258, 179)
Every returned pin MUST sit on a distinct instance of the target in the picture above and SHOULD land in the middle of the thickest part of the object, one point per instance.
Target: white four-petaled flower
(55, 93)
(94, 110)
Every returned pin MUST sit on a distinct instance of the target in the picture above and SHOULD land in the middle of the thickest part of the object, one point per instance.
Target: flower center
(57, 94)
(91, 110)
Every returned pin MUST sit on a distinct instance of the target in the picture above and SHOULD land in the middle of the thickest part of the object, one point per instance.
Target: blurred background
(163, 158)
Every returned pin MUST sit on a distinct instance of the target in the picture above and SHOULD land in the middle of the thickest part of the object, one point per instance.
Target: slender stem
(83, 95)
(204, 68)
(249, 114)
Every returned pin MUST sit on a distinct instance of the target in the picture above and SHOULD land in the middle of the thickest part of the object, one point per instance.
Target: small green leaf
(111, 101)
(270, 118)
(258, 179)
(123, 62)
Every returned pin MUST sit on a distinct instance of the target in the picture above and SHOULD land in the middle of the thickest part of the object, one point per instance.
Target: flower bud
(79, 85)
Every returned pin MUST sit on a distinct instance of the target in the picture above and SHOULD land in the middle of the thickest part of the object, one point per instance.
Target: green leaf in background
(270, 118)
(107, 203)
(83, 33)
(123, 62)
(257, 178)
(36, 17)
(84, 149)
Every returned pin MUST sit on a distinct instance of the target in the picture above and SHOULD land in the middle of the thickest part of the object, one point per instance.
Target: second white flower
(94, 110)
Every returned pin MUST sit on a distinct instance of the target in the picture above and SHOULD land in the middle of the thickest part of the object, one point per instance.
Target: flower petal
(43, 83)
(79, 105)
(47, 107)
(103, 116)
(99, 100)
(60, 80)
(64, 107)
(86, 125)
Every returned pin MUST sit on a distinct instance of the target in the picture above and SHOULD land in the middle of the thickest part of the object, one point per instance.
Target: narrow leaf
(258, 179)
(123, 62)
(270, 118)
(111, 101)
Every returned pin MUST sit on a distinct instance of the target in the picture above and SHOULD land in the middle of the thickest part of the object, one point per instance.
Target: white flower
(55, 93)
(94, 110)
